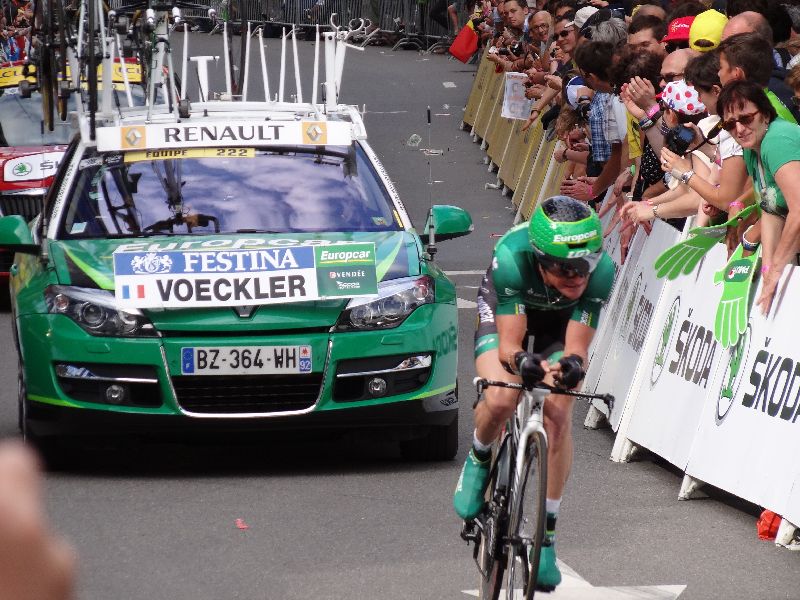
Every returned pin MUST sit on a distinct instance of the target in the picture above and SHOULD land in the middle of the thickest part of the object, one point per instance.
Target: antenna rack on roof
(117, 63)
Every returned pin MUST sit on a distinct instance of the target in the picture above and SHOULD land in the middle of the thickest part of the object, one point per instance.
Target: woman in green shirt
(772, 157)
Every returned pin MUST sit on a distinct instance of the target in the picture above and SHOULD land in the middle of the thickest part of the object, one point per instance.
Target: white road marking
(465, 272)
(448, 84)
(575, 587)
(461, 303)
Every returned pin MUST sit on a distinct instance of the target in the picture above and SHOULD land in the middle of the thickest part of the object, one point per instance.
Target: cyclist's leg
(490, 414)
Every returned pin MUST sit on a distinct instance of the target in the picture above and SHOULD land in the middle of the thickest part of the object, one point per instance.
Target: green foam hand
(734, 306)
(683, 257)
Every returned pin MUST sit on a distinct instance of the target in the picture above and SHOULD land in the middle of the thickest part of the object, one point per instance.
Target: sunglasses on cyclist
(566, 269)
(746, 120)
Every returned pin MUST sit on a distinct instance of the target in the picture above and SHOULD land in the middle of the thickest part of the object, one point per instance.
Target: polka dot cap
(682, 97)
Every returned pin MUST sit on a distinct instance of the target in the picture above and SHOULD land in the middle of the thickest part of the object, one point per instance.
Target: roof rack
(77, 46)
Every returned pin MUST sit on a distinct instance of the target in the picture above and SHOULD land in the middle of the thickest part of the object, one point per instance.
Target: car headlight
(96, 311)
(396, 300)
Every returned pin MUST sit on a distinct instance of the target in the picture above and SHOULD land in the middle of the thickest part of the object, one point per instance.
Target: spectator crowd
(681, 108)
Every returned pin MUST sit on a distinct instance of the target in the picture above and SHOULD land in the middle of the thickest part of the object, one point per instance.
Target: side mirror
(448, 222)
(15, 235)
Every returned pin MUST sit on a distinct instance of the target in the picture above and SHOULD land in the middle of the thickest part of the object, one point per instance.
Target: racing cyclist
(548, 279)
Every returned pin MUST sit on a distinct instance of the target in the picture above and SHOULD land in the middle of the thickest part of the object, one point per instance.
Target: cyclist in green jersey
(549, 279)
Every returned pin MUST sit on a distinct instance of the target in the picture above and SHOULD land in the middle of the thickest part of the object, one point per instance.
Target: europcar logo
(151, 263)
(577, 237)
(739, 270)
(732, 378)
(664, 345)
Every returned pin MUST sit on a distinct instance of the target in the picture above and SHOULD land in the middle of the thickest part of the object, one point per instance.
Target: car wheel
(440, 443)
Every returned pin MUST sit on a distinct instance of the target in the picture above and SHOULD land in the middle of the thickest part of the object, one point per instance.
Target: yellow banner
(140, 155)
(11, 76)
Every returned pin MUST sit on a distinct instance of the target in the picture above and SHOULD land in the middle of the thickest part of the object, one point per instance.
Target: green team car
(243, 267)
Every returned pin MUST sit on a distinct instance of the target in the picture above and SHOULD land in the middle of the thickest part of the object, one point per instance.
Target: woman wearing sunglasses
(772, 157)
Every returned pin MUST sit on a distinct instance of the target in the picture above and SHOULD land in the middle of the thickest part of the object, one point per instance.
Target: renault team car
(234, 269)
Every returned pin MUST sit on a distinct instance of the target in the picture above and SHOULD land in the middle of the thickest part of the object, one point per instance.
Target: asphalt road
(352, 520)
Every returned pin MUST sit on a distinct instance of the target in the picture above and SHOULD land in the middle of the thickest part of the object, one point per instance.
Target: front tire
(527, 520)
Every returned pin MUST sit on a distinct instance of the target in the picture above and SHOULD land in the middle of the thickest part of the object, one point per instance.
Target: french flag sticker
(132, 291)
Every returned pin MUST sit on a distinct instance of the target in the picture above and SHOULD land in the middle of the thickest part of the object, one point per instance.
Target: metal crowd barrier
(526, 169)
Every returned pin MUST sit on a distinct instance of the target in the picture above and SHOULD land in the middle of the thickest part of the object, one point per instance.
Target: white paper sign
(515, 104)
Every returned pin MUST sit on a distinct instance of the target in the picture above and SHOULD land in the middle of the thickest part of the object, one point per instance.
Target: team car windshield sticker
(199, 134)
(234, 277)
(145, 155)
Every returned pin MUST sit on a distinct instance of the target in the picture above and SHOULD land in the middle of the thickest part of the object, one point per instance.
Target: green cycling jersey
(519, 284)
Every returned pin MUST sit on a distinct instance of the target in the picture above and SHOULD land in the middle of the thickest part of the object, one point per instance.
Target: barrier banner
(678, 372)
(494, 84)
(478, 91)
(515, 104)
(630, 319)
(748, 435)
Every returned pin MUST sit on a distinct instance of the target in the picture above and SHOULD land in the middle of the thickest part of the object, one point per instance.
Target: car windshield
(227, 190)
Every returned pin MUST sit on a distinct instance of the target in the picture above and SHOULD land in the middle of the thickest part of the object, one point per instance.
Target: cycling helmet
(567, 232)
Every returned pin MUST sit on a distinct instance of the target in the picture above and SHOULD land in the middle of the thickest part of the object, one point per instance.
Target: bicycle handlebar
(480, 383)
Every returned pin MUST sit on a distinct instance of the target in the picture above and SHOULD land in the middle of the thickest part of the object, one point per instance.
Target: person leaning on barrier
(772, 156)
(565, 37)
(681, 106)
(511, 48)
(727, 184)
(607, 123)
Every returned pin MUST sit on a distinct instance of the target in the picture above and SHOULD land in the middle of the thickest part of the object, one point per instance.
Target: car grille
(27, 205)
(247, 393)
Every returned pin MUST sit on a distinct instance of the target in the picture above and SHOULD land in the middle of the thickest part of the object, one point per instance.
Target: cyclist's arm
(577, 340)
(510, 333)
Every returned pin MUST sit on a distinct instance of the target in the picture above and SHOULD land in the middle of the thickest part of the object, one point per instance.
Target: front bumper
(162, 400)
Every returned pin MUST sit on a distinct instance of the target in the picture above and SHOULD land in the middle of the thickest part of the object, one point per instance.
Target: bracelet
(564, 154)
(749, 246)
(651, 112)
(655, 210)
(736, 204)
(663, 128)
(633, 170)
(646, 124)
(685, 177)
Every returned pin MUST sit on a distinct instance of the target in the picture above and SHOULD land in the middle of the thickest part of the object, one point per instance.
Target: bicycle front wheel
(527, 520)
(492, 553)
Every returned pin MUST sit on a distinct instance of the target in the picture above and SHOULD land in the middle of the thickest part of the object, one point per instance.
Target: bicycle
(509, 531)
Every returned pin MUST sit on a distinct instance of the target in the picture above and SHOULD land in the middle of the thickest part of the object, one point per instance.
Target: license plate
(245, 360)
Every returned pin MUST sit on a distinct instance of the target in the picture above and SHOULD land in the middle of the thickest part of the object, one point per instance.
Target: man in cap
(705, 34)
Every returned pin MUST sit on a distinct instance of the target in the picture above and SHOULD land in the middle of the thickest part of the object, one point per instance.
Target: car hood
(23, 168)
(89, 263)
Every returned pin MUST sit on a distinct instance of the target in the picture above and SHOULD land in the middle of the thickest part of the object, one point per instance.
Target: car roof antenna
(431, 249)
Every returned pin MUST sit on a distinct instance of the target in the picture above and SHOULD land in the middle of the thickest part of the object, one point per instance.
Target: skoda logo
(664, 344)
(737, 358)
(22, 169)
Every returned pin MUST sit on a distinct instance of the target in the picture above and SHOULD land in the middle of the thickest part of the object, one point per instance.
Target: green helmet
(568, 232)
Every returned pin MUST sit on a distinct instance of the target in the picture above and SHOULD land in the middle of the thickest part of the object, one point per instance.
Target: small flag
(137, 290)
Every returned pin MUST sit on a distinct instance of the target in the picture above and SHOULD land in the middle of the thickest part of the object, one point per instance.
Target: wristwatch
(655, 211)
